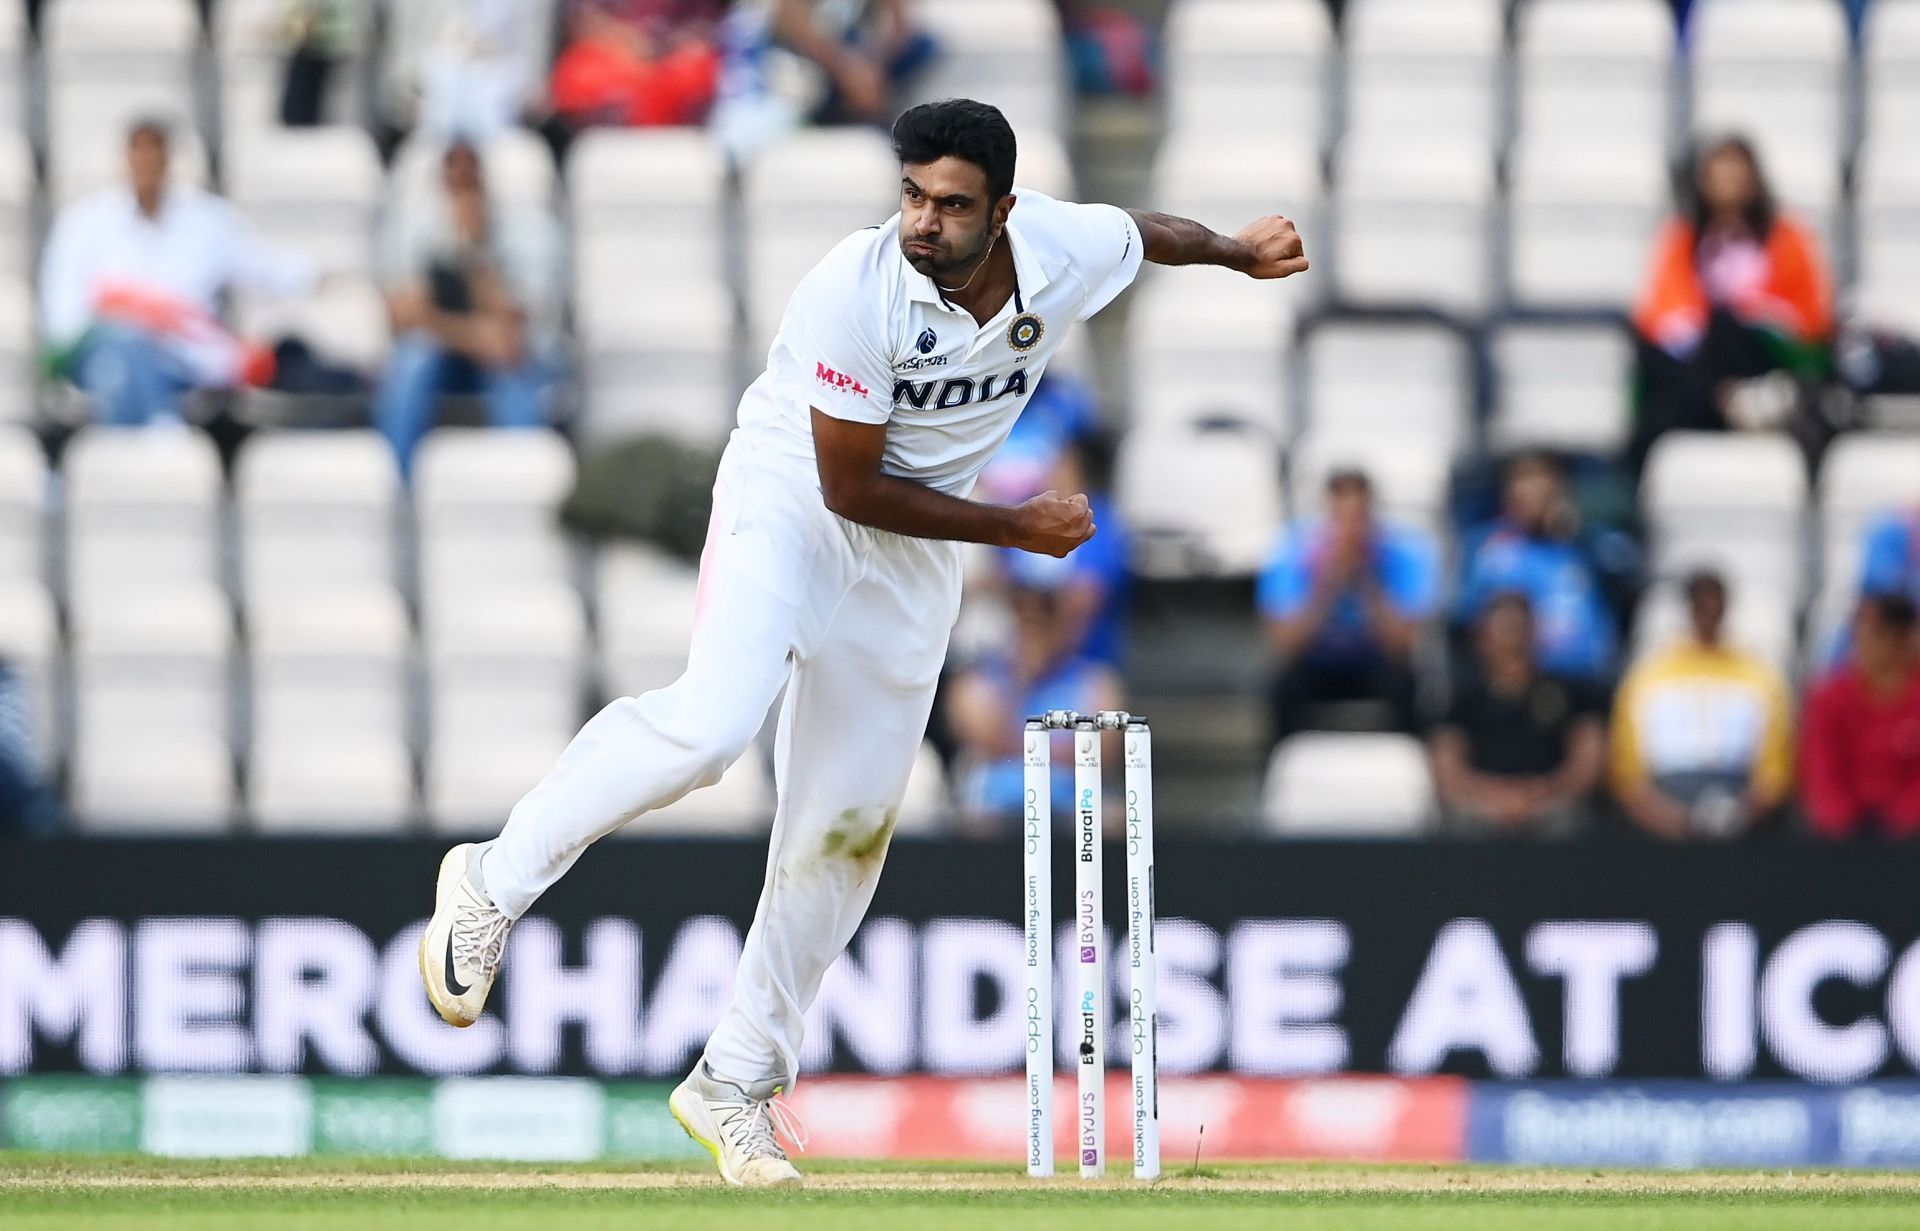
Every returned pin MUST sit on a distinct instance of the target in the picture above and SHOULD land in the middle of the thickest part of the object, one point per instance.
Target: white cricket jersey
(865, 337)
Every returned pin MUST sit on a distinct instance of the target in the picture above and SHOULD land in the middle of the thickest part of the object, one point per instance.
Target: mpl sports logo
(838, 380)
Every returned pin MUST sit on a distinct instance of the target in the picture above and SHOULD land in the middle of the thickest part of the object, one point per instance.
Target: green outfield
(64, 1193)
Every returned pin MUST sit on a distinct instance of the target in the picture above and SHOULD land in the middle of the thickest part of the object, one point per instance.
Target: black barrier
(1521, 962)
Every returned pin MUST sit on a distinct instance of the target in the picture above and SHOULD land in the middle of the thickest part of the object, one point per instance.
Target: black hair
(1500, 600)
(1705, 578)
(1340, 479)
(157, 127)
(972, 131)
(1760, 212)
(1895, 611)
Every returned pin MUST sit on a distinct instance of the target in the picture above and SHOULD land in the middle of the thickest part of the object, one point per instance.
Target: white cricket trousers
(855, 622)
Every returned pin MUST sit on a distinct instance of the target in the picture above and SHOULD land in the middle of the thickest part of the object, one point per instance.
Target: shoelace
(765, 1123)
(479, 937)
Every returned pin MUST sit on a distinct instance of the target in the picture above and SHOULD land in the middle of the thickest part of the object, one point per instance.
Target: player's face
(947, 219)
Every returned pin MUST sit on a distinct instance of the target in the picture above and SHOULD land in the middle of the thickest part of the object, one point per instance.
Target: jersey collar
(1030, 277)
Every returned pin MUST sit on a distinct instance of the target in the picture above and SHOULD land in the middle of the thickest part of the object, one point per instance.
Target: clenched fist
(1274, 248)
(1051, 524)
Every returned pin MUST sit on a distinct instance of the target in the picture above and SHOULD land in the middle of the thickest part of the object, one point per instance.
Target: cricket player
(832, 567)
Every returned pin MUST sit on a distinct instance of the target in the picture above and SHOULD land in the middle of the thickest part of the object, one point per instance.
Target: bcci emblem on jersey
(1025, 332)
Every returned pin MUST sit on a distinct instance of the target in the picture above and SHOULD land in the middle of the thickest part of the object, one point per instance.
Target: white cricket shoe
(460, 951)
(739, 1125)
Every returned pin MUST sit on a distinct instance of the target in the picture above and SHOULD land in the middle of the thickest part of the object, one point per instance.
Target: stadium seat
(1886, 204)
(248, 38)
(1425, 70)
(928, 803)
(1594, 70)
(1202, 498)
(1350, 785)
(108, 61)
(1890, 88)
(99, 160)
(1563, 386)
(331, 661)
(517, 166)
(1864, 476)
(23, 506)
(802, 196)
(1760, 620)
(1228, 181)
(315, 512)
(345, 322)
(1408, 382)
(485, 511)
(15, 82)
(742, 802)
(1044, 165)
(153, 781)
(143, 510)
(645, 605)
(475, 775)
(408, 31)
(654, 363)
(1004, 52)
(1413, 224)
(1809, 184)
(1582, 220)
(156, 661)
(648, 205)
(340, 782)
(30, 643)
(1232, 66)
(315, 190)
(20, 358)
(1201, 344)
(1731, 502)
(1774, 69)
(507, 660)
(1409, 485)
(18, 257)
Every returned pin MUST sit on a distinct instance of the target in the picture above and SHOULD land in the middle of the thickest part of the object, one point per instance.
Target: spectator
(1344, 600)
(1702, 742)
(27, 803)
(987, 702)
(1860, 751)
(789, 62)
(1091, 582)
(474, 292)
(1534, 547)
(473, 67)
(1737, 309)
(1519, 749)
(638, 63)
(130, 289)
(319, 35)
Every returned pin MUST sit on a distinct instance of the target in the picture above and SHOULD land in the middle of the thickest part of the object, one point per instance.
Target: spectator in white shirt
(130, 288)
(474, 290)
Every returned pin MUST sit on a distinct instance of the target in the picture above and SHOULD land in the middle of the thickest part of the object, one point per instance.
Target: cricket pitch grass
(41, 1192)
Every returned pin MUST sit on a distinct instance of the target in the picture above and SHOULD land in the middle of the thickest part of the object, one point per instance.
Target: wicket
(1089, 941)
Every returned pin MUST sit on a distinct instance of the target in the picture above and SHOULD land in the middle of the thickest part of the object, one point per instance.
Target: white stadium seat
(742, 802)
(1233, 65)
(1422, 70)
(1409, 383)
(1414, 224)
(655, 363)
(649, 203)
(99, 160)
(345, 322)
(1409, 485)
(337, 782)
(20, 358)
(1226, 181)
(516, 165)
(18, 258)
(486, 511)
(314, 190)
(143, 510)
(155, 663)
(249, 48)
(14, 80)
(167, 781)
(1561, 386)
(30, 642)
(1201, 345)
(315, 511)
(1589, 70)
(23, 506)
(1045, 166)
(1004, 52)
(1730, 502)
(1890, 89)
(331, 661)
(646, 606)
(1582, 220)
(108, 61)
(1202, 498)
(802, 196)
(508, 660)
(1864, 476)
(1759, 620)
(475, 775)
(1773, 69)
(1809, 183)
(1886, 216)
(1352, 785)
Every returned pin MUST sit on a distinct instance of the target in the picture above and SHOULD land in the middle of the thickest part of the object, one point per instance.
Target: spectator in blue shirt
(1091, 581)
(1344, 599)
(27, 803)
(1534, 548)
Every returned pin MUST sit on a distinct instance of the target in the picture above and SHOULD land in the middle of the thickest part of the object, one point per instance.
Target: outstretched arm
(1268, 247)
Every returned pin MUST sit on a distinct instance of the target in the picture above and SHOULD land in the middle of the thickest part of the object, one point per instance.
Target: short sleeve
(1413, 577)
(1109, 253)
(837, 332)
(1282, 586)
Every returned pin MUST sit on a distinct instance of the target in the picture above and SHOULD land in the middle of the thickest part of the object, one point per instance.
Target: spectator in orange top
(1860, 756)
(638, 63)
(1737, 310)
